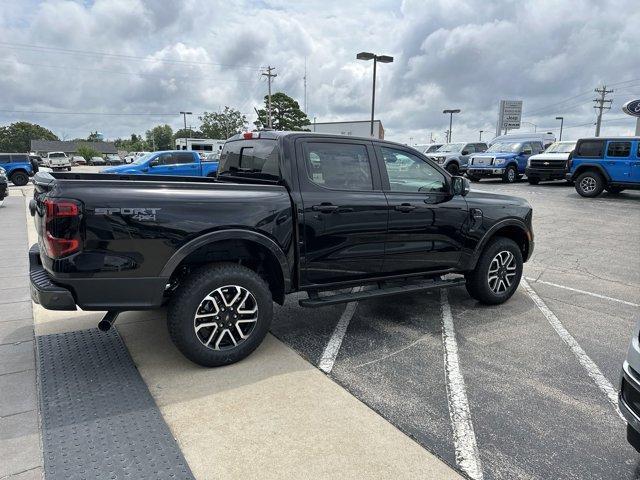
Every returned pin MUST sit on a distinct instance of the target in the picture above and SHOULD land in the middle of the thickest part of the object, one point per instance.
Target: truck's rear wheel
(533, 181)
(19, 179)
(497, 273)
(220, 314)
(590, 184)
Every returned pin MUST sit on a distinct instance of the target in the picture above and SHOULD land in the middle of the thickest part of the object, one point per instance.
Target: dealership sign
(510, 114)
(632, 107)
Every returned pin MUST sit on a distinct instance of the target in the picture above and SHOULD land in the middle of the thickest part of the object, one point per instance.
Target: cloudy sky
(123, 66)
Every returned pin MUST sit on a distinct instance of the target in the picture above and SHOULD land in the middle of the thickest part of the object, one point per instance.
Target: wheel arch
(252, 249)
(584, 167)
(513, 229)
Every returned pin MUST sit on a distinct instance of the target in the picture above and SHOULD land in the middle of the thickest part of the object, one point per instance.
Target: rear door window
(338, 166)
(619, 149)
(19, 159)
(590, 149)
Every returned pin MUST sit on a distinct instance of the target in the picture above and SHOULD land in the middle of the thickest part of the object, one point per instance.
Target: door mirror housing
(460, 186)
(465, 152)
(526, 151)
(154, 163)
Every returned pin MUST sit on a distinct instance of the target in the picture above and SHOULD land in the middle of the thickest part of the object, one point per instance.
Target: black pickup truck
(287, 212)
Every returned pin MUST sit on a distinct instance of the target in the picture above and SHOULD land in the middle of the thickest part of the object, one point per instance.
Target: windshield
(451, 147)
(142, 159)
(505, 147)
(561, 147)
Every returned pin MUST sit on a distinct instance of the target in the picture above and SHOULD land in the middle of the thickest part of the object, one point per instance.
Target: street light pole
(481, 134)
(561, 123)
(184, 116)
(451, 112)
(376, 59)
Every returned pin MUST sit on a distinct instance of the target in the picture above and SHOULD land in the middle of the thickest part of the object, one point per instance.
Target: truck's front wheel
(497, 273)
(220, 314)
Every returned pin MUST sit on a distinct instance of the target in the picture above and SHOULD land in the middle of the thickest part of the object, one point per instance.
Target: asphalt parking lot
(518, 390)
(537, 408)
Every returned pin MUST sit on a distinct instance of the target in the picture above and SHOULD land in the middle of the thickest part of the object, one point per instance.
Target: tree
(94, 137)
(134, 144)
(17, 136)
(160, 137)
(222, 125)
(188, 133)
(87, 152)
(285, 113)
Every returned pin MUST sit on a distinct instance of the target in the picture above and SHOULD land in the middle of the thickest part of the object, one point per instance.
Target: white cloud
(198, 55)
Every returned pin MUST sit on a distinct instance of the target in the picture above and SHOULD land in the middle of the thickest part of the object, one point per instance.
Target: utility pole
(184, 116)
(600, 105)
(305, 85)
(481, 135)
(269, 76)
(450, 112)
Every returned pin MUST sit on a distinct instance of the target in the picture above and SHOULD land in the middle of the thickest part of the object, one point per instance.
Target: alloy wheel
(588, 184)
(226, 317)
(502, 271)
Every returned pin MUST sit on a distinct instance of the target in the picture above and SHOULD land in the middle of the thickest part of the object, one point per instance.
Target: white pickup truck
(57, 161)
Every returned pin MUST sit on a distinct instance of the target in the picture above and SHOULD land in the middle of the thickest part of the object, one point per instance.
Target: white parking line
(597, 295)
(333, 345)
(464, 438)
(589, 365)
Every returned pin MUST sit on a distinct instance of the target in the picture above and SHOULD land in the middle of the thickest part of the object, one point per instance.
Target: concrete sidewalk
(19, 423)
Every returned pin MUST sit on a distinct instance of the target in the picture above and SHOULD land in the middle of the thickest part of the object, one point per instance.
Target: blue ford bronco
(601, 163)
(18, 167)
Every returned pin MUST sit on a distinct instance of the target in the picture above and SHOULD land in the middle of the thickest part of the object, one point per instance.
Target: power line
(137, 74)
(601, 103)
(119, 55)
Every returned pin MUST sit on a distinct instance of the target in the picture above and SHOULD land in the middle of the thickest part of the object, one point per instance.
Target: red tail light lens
(61, 234)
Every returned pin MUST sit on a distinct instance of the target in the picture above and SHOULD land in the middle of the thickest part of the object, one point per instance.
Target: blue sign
(632, 107)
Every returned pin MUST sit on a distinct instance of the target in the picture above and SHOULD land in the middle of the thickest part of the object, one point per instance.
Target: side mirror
(154, 163)
(465, 152)
(460, 186)
(526, 152)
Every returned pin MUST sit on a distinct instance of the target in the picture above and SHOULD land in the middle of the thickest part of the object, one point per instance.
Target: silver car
(629, 398)
(454, 157)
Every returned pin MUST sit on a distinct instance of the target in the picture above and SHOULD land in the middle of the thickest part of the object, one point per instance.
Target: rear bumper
(545, 174)
(121, 294)
(43, 290)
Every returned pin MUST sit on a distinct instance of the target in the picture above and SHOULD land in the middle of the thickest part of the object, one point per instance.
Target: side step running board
(315, 300)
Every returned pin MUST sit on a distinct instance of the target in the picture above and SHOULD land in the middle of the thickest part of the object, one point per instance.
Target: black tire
(589, 184)
(478, 281)
(510, 175)
(453, 168)
(189, 298)
(473, 178)
(19, 179)
(68, 169)
(533, 181)
(614, 190)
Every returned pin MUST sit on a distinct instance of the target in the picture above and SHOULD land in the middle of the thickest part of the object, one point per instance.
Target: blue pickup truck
(18, 167)
(602, 163)
(168, 162)
(506, 159)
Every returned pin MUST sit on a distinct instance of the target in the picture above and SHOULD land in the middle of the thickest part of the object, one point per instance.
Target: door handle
(325, 208)
(405, 207)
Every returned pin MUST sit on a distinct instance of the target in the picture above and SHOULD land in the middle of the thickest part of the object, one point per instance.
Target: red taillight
(250, 135)
(61, 234)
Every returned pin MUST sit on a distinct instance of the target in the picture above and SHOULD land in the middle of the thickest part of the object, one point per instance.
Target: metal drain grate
(98, 417)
